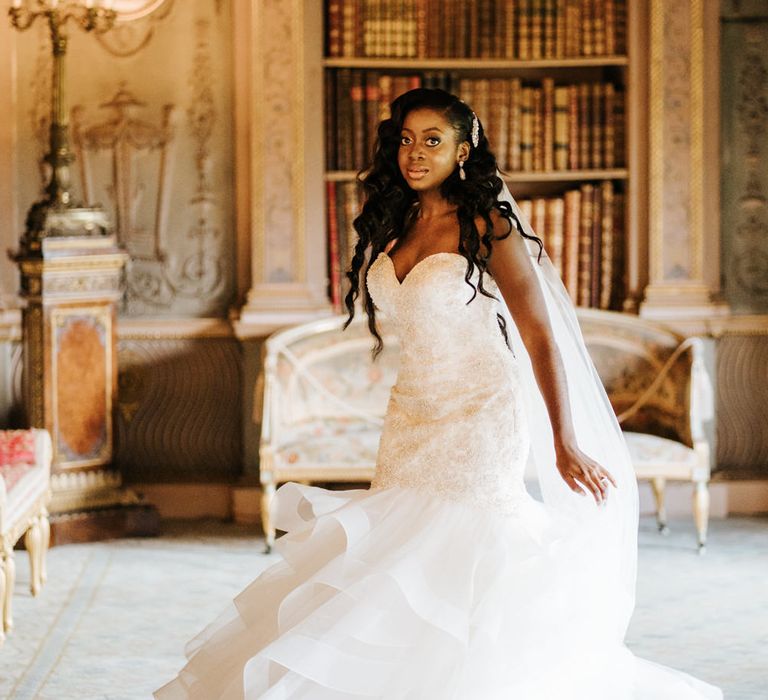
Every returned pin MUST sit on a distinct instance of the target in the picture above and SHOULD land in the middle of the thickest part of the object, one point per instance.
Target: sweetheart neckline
(424, 259)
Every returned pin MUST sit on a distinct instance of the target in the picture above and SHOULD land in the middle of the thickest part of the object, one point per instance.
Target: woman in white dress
(446, 579)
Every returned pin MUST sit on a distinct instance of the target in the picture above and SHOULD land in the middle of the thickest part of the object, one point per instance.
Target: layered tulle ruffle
(395, 593)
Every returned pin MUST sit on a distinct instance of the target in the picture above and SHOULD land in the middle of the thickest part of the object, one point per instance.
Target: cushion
(657, 456)
(329, 442)
(17, 447)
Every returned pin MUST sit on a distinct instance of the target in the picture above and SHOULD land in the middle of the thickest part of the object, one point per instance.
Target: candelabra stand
(58, 214)
(71, 268)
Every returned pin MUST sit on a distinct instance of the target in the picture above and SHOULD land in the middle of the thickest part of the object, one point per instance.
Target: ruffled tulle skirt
(397, 593)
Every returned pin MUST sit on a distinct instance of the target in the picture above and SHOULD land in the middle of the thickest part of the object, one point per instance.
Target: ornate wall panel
(744, 175)
(179, 409)
(742, 378)
(152, 128)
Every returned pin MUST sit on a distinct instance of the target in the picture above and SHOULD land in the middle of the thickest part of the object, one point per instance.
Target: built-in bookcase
(549, 81)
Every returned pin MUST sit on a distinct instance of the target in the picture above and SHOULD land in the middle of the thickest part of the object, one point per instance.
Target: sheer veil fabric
(608, 532)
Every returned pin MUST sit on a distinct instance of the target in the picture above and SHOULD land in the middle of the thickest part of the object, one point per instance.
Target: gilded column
(684, 156)
(280, 209)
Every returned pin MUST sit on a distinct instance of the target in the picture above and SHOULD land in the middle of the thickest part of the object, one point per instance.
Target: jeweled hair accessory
(475, 130)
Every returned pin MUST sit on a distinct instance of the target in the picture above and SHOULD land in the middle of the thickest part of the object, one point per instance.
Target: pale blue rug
(112, 621)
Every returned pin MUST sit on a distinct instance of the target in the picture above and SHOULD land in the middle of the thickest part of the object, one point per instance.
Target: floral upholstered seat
(322, 401)
(25, 463)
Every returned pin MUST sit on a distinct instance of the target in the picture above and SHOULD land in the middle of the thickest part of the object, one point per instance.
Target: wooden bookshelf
(483, 65)
(547, 176)
(603, 150)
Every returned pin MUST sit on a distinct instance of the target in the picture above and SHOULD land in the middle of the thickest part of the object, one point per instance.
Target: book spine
(500, 101)
(556, 234)
(349, 238)
(348, 28)
(481, 104)
(571, 243)
(329, 94)
(538, 128)
(341, 218)
(511, 18)
(609, 130)
(497, 31)
(597, 125)
(526, 129)
(537, 28)
(585, 244)
(598, 24)
(422, 31)
(560, 35)
(473, 13)
(372, 100)
(550, 11)
(597, 220)
(574, 115)
(369, 28)
(333, 29)
(486, 32)
(606, 249)
(560, 146)
(386, 96)
(514, 159)
(621, 26)
(466, 91)
(584, 126)
(610, 28)
(334, 268)
(524, 29)
(357, 98)
(344, 149)
(359, 37)
(587, 18)
(548, 108)
(619, 285)
(620, 133)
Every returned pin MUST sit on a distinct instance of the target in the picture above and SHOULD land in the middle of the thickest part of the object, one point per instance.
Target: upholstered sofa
(322, 402)
(25, 464)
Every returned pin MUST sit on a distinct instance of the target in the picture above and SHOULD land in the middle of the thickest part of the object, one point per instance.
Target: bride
(447, 579)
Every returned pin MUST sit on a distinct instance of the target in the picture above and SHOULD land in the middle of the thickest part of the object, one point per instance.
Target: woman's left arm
(517, 282)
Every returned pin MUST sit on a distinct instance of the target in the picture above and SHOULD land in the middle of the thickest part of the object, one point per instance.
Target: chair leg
(45, 542)
(658, 485)
(268, 490)
(33, 544)
(10, 580)
(701, 512)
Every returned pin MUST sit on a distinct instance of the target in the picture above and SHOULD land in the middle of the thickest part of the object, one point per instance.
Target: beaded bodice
(455, 421)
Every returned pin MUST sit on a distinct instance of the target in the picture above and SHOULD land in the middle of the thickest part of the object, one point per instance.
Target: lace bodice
(455, 422)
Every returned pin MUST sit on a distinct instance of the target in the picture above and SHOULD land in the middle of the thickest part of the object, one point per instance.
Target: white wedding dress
(446, 580)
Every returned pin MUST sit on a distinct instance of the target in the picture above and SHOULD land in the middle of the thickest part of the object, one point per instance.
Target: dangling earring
(462, 174)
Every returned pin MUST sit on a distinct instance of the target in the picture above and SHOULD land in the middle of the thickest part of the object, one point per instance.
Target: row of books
(582, 231)
(583, 234)
(532, 127)
(507, 29)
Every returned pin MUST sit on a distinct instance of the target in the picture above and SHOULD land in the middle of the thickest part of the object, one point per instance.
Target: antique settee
(25, 464)
(322, 402)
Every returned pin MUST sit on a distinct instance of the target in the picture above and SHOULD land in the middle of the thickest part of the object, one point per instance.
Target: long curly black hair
(388, 208)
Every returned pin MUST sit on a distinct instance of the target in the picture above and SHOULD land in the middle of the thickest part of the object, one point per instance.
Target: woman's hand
(574, 465)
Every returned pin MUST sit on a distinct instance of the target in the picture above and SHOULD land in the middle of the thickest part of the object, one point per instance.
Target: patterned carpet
(113, 618)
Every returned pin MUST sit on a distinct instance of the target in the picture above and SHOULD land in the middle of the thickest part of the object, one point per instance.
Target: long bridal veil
(602, 539)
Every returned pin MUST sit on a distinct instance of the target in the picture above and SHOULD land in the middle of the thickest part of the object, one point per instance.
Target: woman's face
(428, 151)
